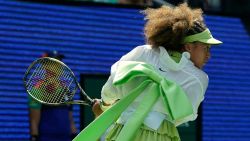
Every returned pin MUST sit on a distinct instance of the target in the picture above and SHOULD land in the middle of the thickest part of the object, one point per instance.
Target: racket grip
(89, 100)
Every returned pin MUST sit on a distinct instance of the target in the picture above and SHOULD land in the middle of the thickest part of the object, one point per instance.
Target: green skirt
(166, 132)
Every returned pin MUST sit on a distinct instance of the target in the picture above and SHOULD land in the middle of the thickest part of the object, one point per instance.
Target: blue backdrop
(92, 38)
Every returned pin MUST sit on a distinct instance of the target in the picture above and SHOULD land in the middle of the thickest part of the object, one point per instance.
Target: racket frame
(88, 101)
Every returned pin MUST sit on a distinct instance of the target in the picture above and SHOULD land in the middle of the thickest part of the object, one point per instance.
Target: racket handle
(89, 100)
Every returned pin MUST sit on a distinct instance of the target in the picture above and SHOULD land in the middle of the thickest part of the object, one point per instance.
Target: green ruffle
(166, 132)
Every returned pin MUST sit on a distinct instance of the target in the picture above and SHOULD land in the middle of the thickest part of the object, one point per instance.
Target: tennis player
(167, 73)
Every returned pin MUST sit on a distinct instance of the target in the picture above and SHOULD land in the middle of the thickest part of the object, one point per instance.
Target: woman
(178, 47)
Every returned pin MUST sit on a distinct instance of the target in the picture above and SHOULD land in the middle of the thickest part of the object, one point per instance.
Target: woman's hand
(96, 108)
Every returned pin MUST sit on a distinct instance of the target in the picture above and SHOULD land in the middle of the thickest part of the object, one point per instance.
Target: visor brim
(211, 41)
(204, 37)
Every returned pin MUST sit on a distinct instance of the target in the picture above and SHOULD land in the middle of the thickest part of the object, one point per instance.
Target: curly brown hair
(167, 26)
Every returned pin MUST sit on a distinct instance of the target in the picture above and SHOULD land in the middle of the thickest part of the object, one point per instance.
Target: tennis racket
(52, 82)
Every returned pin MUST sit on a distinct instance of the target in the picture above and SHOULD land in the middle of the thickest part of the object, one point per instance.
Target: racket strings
(59, 88)
(35, 80)
(51, 82)
(66, 81)
(39, 85)
(34, 75)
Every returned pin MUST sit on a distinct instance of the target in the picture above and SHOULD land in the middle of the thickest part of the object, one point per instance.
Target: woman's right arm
(111, 94)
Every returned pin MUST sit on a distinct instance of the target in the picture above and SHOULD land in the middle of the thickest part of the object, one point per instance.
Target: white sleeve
(110, 93)
(195, 94)
(134, 55)
(195, 91)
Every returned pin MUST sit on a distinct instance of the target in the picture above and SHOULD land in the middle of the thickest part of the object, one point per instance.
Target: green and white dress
(166, 88)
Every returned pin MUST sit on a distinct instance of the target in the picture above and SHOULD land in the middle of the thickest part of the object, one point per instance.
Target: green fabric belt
(175, 101)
